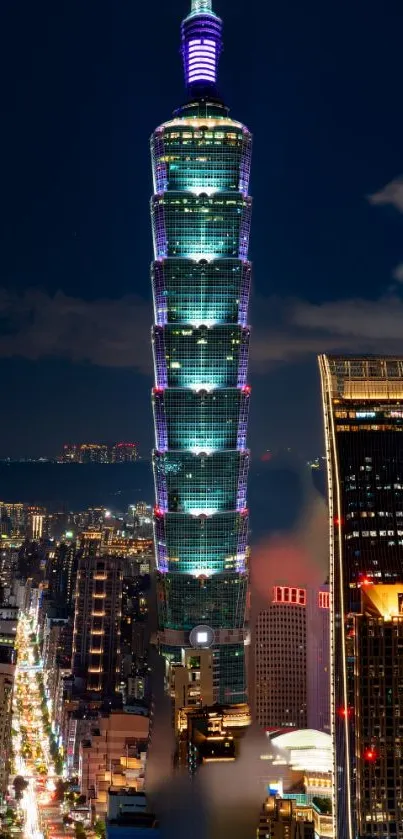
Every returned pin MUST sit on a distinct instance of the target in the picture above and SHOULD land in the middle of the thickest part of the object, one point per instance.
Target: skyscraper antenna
(201, 45)
(201, 6)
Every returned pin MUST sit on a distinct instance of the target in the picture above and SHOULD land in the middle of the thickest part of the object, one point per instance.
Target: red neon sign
(289, 594)
(324, 600)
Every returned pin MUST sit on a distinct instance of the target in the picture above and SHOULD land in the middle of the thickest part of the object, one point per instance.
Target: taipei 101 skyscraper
(201, 214)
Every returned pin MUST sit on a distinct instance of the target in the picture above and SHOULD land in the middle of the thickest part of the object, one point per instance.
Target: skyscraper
(291, 659)
(97, 617)
(280, 660)
(61, 574)
(318, 659)
(363, 412)
(200, 277)
(378, 709)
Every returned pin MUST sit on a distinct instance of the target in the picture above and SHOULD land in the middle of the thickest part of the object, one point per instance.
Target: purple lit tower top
(201, 45)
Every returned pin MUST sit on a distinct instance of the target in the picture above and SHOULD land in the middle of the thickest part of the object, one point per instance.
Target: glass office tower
(363, 412)
(200, 278)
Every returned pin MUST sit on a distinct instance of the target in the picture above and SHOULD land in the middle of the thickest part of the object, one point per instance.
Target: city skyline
(72, 335)
(153, 623)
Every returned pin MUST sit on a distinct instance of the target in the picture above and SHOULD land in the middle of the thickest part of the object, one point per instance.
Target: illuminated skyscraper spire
(201, 46)
(201, 6)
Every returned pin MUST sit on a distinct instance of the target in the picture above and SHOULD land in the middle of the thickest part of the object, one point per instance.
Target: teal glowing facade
(201, 275)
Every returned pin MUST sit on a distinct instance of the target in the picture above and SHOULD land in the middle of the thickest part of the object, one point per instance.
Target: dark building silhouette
(61, 574)
(97, 617)
(363, 412)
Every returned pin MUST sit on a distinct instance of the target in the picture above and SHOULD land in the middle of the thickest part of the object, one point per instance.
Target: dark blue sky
(83, 84)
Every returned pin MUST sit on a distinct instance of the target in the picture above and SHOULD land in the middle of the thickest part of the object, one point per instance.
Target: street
(31, 744)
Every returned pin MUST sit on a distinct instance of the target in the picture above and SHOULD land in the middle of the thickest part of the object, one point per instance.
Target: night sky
(83, 84)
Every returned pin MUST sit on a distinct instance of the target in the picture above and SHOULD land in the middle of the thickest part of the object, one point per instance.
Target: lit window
(202, 638)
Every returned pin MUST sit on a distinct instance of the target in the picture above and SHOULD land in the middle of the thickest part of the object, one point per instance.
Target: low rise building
(128, 816)
(7, 672)
(210, 734)
(283, 818)
(115, 752)
(9, 612)
(52, 636)
(97, 619)
(297, 767)
(8, 632)
(191, 682)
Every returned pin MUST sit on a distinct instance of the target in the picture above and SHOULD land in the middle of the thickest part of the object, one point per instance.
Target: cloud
(397, 273)
(108, 333)
(392, 194)
(116, 333)
(296, 328)
(358, 319)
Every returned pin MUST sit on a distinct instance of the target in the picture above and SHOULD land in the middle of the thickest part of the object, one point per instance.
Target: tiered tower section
(201, 214)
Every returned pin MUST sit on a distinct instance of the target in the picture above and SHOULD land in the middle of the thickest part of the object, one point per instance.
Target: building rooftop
(365, 377)
(305, 750)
